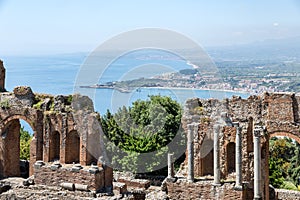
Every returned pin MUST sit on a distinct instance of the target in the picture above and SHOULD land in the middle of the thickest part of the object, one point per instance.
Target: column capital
(190, 126)
(217, 127)
(236, 124)
(258, 131)
(224, 114)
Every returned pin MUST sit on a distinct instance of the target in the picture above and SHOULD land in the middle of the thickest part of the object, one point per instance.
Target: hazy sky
(66, 26)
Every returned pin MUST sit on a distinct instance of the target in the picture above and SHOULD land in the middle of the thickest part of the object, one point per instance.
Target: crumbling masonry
(63, 149)
(228, 155)
(227, 150)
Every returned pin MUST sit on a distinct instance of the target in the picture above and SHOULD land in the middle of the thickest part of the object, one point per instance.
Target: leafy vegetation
(25, 139)
(69, 99)
(5, 104)
(284, 168)
(146, 126)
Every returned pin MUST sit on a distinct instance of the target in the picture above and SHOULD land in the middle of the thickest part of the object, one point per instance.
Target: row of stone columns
(238, 157)
(190, 150)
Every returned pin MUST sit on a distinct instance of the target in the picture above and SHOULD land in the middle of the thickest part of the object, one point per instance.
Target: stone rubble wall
(35, 192)
(181, 189)
(278, 113)
(47, 176)
(287, 194)
(136, 183)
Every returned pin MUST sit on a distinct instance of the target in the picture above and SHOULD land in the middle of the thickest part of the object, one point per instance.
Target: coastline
(129, 90)
(202, 89)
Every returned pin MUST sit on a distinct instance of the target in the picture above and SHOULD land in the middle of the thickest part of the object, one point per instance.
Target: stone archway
(265, 154)
(285, 134)
(72, 147)
(10, 146)
(54, 146)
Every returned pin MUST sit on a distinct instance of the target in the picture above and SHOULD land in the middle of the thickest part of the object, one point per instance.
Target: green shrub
(5, 104)
(288, 185)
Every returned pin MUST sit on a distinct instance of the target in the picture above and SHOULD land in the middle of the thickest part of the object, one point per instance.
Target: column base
(238, 187)
(216, 184)
(190, 181)
(171, 179)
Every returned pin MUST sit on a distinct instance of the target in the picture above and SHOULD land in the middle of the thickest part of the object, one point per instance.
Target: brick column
(238, 156)
(257, 164)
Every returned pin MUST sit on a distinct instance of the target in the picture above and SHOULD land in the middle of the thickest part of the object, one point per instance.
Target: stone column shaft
(238, 156)
(217, 174)
(190, 148)
(170, 166)
(257, 164)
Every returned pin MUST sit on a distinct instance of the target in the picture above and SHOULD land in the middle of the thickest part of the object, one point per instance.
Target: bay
(56, 74)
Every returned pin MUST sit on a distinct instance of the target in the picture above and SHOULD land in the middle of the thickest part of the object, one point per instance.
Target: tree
(284, 163)
(146, 126)
(25, 139)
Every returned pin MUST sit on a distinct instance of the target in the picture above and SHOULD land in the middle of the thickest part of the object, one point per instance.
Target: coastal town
(255, 79)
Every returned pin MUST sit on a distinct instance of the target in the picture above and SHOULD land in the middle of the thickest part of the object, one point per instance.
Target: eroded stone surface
(277, 113)
(65, 130)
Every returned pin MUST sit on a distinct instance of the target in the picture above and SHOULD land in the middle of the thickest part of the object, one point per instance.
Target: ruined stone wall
(66, 129)
(282, 194)
(278, 113)
(202, 190)
(10, 145)
(46, 175)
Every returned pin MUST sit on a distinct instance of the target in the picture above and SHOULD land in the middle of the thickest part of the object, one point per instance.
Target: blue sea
(57, 74)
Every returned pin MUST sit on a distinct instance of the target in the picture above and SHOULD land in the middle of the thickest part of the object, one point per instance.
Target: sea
(58, 74)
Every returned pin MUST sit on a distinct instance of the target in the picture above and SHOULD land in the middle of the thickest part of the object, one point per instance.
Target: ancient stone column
(217, 174)
(190, 148)
(238, 156)
(257, 163)
(170, 166)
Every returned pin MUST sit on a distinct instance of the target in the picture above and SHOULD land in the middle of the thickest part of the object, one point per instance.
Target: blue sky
(56, 26)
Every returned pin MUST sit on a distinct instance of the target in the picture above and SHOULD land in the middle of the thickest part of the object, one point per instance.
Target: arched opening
(54, 146)
(284, 160)
(15, 148)
(26, 134)
(72, 147)
(230, 154)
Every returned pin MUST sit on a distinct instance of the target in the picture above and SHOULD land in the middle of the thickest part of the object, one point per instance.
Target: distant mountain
(287, 49)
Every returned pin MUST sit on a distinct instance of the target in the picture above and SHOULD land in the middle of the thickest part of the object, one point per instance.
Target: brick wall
(280, 107)
(46, 176)
(181, 189)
